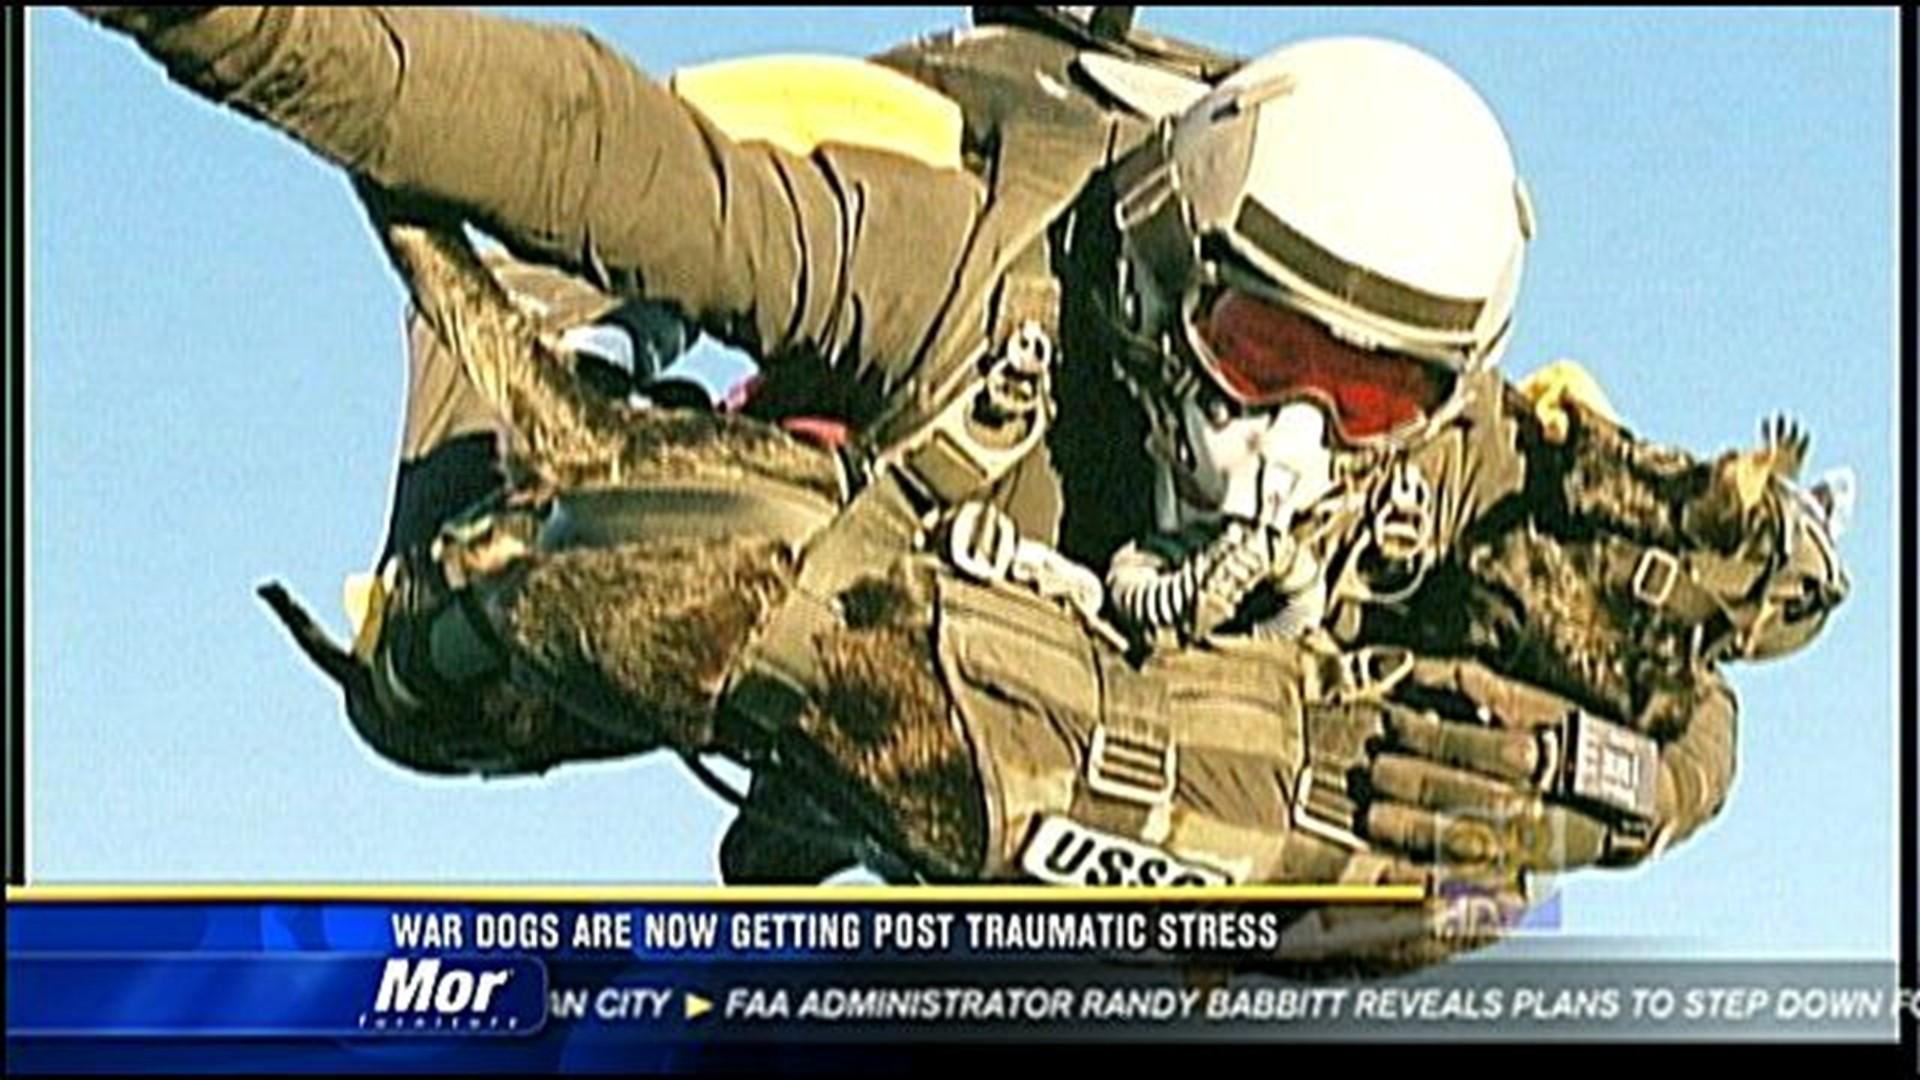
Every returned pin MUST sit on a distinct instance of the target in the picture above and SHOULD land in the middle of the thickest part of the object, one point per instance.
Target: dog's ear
(1780, 456)
(1786, 443)
(338, 664)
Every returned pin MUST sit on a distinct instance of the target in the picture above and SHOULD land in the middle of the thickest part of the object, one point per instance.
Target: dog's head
(1794, 577)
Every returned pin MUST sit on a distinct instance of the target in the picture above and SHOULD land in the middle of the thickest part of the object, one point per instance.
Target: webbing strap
(689, 510)
(931, 429)
(1126, 779)
(1151, 723)
(779, 668)
(1685, 588)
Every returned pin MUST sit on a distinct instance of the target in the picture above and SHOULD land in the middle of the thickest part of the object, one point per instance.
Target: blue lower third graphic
(265, 994)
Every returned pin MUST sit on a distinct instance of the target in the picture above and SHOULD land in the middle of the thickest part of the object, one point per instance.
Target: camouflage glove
(1452, 765)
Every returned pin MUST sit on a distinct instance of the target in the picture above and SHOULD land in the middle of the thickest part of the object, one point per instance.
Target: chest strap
(983, 400)
(1699, 589)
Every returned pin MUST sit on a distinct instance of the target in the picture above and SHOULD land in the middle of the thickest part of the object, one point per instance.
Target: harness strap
(1696, 588)
(966, 421)
(779, 668)
(687, 509)
(981, 404)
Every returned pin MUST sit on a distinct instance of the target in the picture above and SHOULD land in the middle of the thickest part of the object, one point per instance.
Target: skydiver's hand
(1461, 767)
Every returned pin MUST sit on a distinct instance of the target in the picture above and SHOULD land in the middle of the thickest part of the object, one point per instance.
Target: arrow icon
(697, 1006)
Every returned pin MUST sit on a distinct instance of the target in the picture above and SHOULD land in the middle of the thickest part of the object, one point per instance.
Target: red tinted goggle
(1262, 354)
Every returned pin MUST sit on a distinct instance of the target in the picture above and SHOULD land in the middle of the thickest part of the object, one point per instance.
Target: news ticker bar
(386, 962)
(452, 1005)
(661, 925)
(545, 972)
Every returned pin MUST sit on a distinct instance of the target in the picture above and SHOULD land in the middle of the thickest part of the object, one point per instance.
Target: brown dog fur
(639, 639)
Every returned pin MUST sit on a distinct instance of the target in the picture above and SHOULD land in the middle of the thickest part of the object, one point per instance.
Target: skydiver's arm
(546, 138)
(1696, 771)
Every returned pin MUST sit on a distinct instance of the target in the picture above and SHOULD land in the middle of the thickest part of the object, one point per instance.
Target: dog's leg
(555, 425)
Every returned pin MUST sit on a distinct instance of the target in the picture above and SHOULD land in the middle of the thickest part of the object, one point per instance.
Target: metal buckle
(950, 459)
(1370, 673)
(1668, 570)
(1305, 819)
(1016, 383)
(1403, 525)
(1138, 764)
(982, 542)
(1053, 576)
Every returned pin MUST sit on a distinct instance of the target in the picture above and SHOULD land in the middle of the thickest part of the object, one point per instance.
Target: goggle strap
(1365, 289)
(1153, 215)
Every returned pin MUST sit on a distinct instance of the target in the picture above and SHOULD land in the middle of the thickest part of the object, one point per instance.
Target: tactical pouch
(1098, 773)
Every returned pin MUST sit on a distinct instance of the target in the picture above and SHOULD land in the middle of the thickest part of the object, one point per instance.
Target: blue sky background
(216, 367)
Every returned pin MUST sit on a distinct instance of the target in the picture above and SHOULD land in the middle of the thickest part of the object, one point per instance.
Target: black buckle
(1655, 577)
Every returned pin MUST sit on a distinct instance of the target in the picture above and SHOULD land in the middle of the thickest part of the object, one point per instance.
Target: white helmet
(1342, 209)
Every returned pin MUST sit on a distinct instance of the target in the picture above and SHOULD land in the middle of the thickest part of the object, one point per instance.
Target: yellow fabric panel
(1560, 385)
(365, 598)
(798, 102)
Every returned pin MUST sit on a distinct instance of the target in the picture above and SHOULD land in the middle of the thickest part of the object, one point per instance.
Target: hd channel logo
(455, 995)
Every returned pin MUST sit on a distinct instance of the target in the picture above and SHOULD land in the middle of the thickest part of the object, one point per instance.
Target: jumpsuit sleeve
(567, 153)
(1697, 768)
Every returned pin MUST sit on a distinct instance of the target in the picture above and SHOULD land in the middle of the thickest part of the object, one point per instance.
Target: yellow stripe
(707, 894)
(799, 102)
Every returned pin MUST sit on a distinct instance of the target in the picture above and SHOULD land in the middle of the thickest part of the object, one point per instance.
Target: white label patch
(1065, 852)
